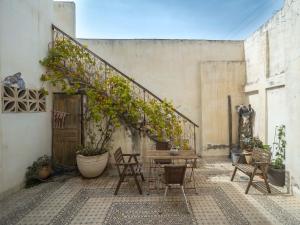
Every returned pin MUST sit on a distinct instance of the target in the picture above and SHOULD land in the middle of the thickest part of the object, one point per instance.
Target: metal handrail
(121, 73)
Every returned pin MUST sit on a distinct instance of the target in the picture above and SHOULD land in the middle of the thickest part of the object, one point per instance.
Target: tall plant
(279, 148)
(112, 101)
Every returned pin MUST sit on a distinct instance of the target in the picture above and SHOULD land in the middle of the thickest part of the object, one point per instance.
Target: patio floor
(91, 201)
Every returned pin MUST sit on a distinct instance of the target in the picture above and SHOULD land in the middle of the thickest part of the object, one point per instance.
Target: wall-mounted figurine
(245, 128)
(14, 81)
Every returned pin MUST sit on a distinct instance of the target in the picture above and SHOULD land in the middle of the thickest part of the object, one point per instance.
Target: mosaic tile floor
(91, 201)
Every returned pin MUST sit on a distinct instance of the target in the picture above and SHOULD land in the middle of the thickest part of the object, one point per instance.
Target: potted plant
(39, 171)
(91, 162)
(235, 154)
(249, 144)
(276, 172)
(175, 149)
(247, 148)
(92, 158)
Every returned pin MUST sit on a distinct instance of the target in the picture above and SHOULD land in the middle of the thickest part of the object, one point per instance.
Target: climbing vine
(112, 101)
(279, 148)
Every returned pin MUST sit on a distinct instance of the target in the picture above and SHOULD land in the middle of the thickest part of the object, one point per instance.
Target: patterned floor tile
(91, 201)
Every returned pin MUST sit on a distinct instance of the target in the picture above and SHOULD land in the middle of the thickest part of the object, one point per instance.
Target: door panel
(277, 111)
(67, 136)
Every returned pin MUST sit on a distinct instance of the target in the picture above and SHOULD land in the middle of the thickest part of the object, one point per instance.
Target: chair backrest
(162, 146)
(261, 155)
(119, 156)
(174, 174)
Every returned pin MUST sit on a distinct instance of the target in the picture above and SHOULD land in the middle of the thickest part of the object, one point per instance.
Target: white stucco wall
(172, 69)
(293, 90)
(276, 113)
(25, 27)
(64, 16)
(273, 80)
(219, 79)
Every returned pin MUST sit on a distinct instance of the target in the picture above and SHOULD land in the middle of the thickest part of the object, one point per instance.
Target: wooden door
(66, 131)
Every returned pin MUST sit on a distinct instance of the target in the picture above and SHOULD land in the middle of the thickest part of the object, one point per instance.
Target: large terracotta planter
(92, 166)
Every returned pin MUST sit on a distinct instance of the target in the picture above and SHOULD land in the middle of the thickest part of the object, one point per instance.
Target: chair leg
(164, 198)
(120, 180)
(136, 180)
(157, 184)
(233, 174)
(191, 175)
(118, 186)
(266, 182)
(142, 176)
(250, 181)
(194, 180)
(140, 171)
(149, 177)
(157, 178)
(185, 199)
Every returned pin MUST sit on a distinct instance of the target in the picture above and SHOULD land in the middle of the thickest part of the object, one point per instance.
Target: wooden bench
(259, 166)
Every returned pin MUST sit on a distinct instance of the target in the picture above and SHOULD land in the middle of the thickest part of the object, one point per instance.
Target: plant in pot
(235, 154)
(246, 145)
(39, 171)
(249, 144)
(276, 172)
(92, 157)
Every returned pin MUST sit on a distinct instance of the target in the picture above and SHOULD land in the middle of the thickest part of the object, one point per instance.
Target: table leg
(149, 176)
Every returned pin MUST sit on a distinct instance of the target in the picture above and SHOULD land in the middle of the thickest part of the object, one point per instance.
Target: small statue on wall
(14, 80)
(245, 129)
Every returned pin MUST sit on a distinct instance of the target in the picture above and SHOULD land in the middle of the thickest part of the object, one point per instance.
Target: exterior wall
(172, 69)
(218, 80)
(273, 83)
(276, 114)
(293, 91)
(64, 17)
(23, 42)
(25, 28)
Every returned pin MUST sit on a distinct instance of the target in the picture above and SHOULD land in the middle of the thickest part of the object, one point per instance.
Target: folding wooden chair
(128, 168)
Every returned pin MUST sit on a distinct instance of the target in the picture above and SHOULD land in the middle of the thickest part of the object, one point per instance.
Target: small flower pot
(92, 166)
(44, 172)
(174, 151)
(248, 157)
(235, 157)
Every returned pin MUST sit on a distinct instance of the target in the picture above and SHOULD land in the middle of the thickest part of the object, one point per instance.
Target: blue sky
(172, 19)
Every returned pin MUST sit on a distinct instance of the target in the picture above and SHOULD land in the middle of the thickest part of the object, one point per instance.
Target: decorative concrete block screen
(22, 100)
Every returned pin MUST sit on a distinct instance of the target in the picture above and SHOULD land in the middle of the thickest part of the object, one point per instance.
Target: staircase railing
(188, 126)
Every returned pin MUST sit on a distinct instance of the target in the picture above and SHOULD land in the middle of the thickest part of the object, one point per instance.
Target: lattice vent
(22, 100)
